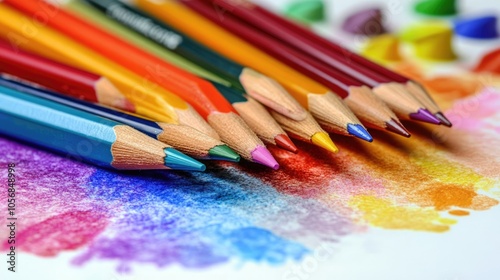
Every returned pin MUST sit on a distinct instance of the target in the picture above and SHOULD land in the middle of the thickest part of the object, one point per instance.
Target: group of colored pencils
(154, 84)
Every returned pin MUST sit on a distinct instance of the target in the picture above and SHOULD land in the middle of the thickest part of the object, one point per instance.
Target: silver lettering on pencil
(146, 26)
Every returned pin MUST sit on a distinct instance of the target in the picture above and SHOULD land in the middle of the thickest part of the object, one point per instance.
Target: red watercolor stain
(490, 62)
(313, 172)
(68, 231)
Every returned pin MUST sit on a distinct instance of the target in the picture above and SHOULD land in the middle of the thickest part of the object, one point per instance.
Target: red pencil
(202, 95)
(391, 87)
(369, 108)
(61, 77)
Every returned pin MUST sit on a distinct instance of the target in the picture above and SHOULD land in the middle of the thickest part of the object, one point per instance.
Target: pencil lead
(263, 156)
(397, 127)
(323, 140)
(223, 152)
(284, 142)
(178, 160)
(424, 115)
(359, 131)
(442, 118)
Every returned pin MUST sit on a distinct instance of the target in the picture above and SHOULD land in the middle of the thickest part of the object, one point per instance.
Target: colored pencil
(85, 136)
(257, 118)
(201, 94)
(150, 99)
(262, 88)
(183, 138)
(326, 107)
(61, 77)
(91, 14)
(369, 108)
(406, 92)
(307, 130)
(261, 123)
(302, 128)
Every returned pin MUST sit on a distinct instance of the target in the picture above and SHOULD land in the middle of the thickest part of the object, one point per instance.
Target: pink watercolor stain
(52, 206)
(68, 231)
(470, 114)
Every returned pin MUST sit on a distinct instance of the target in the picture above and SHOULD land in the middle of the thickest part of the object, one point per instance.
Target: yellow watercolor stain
(383, 213)
(452, 173)
(459, 213)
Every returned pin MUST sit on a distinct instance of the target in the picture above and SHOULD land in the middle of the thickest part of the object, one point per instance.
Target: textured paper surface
(419, 208)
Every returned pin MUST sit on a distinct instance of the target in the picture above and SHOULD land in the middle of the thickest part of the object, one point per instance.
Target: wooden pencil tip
(396, 127)
(127, 105)
(284, 142)
(108, 94)
(271, 94)
(443, 119)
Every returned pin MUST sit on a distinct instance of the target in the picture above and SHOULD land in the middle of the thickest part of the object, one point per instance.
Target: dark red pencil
(367, 106)
(60, 77)
(296, 36)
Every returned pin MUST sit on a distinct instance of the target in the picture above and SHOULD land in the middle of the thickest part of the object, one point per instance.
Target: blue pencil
(85, 136)
(183, 138)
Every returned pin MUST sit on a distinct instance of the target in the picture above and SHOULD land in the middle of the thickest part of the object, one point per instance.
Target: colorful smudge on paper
(244, 213)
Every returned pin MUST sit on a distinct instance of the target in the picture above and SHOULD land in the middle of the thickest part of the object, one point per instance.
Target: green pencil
(262, 88)
(303, 130)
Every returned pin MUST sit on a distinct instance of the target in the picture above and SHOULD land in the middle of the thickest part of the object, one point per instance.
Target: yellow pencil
(150, 99)
(326, 107)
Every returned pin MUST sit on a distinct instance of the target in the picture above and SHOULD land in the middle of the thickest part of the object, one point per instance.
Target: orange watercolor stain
(444, 196)
(396, 183)
(454, 86)
(448, 88)
(459, 213)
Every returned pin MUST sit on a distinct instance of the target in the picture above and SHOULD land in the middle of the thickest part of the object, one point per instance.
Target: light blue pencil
(84, 136)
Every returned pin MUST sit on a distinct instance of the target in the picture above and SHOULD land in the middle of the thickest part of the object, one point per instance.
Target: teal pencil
(183, 138)
(84, 136)
(264, 89)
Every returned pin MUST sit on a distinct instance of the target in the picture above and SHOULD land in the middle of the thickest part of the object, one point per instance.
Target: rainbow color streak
(247, 213)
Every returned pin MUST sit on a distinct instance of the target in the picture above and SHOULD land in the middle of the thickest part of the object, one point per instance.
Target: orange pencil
(149, 99)
(202, 95)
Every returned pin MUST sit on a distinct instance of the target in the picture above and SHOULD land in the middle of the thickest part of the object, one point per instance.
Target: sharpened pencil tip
(359, 131)
(179, 161)
(424, 115)
(284, 142)
(323, 140)
(397, 127)
(223, 152)
(129, 106)
(125, 104)
(443, 119)
(263, 156)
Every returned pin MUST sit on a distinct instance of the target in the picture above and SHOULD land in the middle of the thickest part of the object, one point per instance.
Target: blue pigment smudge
(195, 220)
